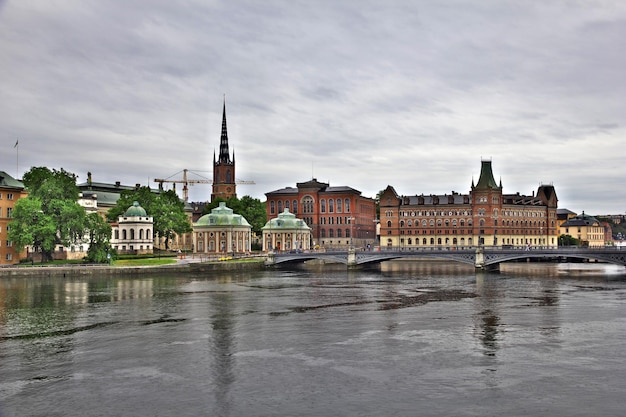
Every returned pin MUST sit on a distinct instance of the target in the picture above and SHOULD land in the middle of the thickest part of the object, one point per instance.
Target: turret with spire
(224, 185)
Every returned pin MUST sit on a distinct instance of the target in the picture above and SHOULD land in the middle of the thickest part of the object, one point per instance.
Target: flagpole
(17, 158)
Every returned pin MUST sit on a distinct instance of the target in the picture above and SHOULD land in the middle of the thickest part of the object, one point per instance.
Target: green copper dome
(135, 211)
(222, 216)
(286, 220)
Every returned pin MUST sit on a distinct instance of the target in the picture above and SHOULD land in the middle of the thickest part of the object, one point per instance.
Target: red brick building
(339, 217)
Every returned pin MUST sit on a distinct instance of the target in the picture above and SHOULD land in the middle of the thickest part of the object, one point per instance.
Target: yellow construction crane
(187, 182)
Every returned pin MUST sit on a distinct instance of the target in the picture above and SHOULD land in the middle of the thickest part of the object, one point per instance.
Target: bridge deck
(478, 256)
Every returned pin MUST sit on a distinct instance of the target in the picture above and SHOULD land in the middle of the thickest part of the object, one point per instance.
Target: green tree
(99, 238)
(167, 210)
(252, 209)
(568, 240)
(31, 226)
(50, 215)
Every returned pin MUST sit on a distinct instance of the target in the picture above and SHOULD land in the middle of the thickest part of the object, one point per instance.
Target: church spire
(224, 154)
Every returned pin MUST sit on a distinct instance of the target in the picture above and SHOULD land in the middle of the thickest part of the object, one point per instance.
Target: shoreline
(84, 270)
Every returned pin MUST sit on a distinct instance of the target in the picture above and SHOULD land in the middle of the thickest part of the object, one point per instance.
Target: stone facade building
(485, 216)
(338, 216)
(133, 232)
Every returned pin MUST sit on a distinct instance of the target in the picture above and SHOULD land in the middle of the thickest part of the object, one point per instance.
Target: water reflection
(222, 347)
(487, 320)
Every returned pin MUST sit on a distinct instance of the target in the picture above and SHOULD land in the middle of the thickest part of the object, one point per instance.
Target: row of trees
(50, 215)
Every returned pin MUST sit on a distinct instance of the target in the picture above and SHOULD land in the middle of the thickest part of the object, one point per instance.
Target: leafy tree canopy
(50, 215)
(252, 209)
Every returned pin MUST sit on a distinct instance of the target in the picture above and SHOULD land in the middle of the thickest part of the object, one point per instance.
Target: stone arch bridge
(482, 257)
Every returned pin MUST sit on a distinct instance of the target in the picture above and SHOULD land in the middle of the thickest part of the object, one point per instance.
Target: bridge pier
(352, 262)
(269, 261)
(479, 263)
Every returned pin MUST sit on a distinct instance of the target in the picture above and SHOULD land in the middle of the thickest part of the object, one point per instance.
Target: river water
(411, 339)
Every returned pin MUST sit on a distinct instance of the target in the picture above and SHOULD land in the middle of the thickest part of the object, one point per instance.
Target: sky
(412, 94)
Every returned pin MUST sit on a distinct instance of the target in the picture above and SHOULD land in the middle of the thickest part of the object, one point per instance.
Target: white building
(133, 232)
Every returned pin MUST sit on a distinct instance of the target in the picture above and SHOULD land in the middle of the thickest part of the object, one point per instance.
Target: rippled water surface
(427, 339)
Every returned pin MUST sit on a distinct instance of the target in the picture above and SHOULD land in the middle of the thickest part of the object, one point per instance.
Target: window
(295, 207)
(339, 233)
(331, 206)
(10, 196)
(331, 233)
(347, 205)
(272, 207)
(287, 204)
(323, 205)
(307, 204)
(9, 257)
(280, 206)
(339, 205)
(9, 212)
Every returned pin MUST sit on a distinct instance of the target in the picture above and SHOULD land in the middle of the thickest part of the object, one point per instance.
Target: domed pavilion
(222, 231)
(286, 233)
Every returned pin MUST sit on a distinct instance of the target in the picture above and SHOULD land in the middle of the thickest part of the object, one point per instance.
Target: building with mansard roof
(587, 229)
(484, 216)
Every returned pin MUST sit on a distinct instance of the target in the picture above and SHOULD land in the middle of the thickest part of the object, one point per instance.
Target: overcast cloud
(360, 93)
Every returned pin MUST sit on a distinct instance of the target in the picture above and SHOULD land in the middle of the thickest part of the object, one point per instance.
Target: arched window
(323, 232)
(228, 177)
(287, 204)
(140, 233)
(295, 207)
(132, 234)
(124, 234)
(331, 233)
(339, 205)
(347, 205)
(272, 207)
(388, 223)
(339, 233)
(323, 205)
(331, 205)
(280, 206)
(307, 204)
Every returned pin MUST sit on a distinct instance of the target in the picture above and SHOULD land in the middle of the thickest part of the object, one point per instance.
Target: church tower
(224, 168)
